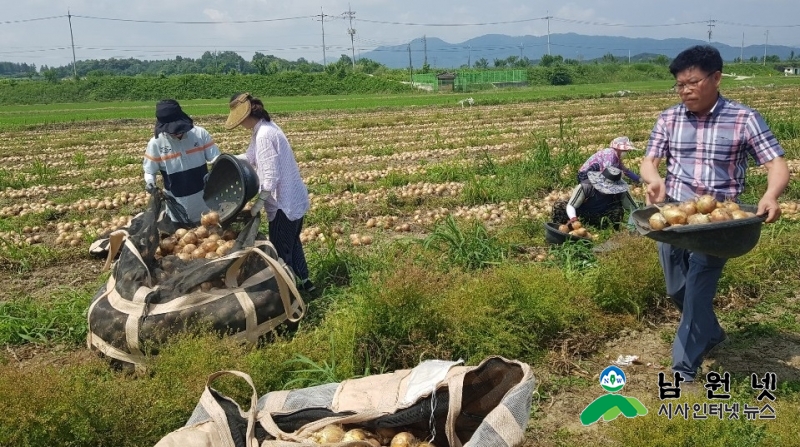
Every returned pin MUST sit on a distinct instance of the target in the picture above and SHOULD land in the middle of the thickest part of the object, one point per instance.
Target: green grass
(19, 115)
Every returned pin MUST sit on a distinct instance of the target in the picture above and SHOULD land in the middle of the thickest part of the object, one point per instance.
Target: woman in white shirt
(282, 192)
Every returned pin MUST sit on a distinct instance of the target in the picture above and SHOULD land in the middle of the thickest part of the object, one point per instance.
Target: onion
(209, 246)
(425, 444)
(198, 253)
(222, 250)
(212, 255)
(688, 207)
(740, 214)
(188, 248)
(181, 232)
(189, 238)
(355, 434)
(674, 216)
(706, 204)
(184, 256)
(577, 225)
(213, 237)
(697, 219)
(657, 222)
(210, 218)
(328, 435)
(229, 235)
(563, 228)
(403, 439)
(731, 206)
(720, 215)
(206, 286)
(167, 245)
(201, 232)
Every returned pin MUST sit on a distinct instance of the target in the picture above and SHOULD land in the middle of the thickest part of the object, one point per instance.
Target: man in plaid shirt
(705, 140)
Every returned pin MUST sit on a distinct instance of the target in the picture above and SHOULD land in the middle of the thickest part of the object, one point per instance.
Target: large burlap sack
(144, 304)
(438, 401)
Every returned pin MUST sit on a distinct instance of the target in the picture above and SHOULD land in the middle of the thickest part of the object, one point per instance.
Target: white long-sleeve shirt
(279, 176)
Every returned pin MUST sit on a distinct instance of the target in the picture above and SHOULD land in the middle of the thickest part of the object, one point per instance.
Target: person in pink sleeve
(610, 156)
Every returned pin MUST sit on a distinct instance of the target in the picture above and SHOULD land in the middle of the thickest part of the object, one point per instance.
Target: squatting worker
(610, 156)
(282, 192)
(599, 200)
(180, 151)
(705, 140)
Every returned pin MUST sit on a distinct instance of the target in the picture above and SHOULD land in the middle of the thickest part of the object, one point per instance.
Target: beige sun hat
(240, 110)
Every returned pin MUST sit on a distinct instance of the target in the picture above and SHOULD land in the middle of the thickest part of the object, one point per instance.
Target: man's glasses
(691, 85)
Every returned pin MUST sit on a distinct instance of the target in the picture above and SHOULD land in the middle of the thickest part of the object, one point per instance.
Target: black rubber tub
(722, 239)
(555, 237)
(231, 184)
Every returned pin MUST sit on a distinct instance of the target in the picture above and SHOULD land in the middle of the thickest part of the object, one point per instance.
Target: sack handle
(217, 414)
(286, 284)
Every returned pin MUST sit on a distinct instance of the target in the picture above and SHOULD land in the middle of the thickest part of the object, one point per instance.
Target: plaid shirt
(708, 154)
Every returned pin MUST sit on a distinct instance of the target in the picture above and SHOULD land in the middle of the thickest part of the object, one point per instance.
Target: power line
(194, 22)
(31, 20)
(382, 22)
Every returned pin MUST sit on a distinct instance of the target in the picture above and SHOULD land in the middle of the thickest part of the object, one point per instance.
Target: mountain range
(443, 54)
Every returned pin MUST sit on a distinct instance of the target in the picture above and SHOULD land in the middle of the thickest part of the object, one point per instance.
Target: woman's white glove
(259, 205)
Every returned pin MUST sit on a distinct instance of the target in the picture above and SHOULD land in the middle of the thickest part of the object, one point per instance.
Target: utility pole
(521, 46)
(410, 68)
(350, 14)
(469, 57)
(766, 42)
(710, 25)
(74, 63)
(741, 51)
(425, 49)
(548, 32)
(322, 21)
(629, 57)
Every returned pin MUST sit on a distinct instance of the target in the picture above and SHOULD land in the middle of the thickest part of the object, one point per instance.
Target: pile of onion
(578, 230)
(701, 210)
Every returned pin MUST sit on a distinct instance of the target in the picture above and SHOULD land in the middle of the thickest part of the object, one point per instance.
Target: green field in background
(32, 115)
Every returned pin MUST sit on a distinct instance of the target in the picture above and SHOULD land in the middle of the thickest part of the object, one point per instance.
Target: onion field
(425, 239)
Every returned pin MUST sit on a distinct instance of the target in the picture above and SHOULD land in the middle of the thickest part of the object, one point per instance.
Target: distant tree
(773, 59)
(791, 55)
(661, 60)
(523, 62)
(499, 63)
(549, 60)
(753, 59)
(482, 63)
(609, 58)
(511, 60)
(560, 75)
(426, 67)
(737, 60)
(345, 60)
(51, 75)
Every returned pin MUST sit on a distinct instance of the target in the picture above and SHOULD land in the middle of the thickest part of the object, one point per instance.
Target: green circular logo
(612, 379)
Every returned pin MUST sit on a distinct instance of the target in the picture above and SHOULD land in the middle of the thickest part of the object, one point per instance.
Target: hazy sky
(296, 34)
